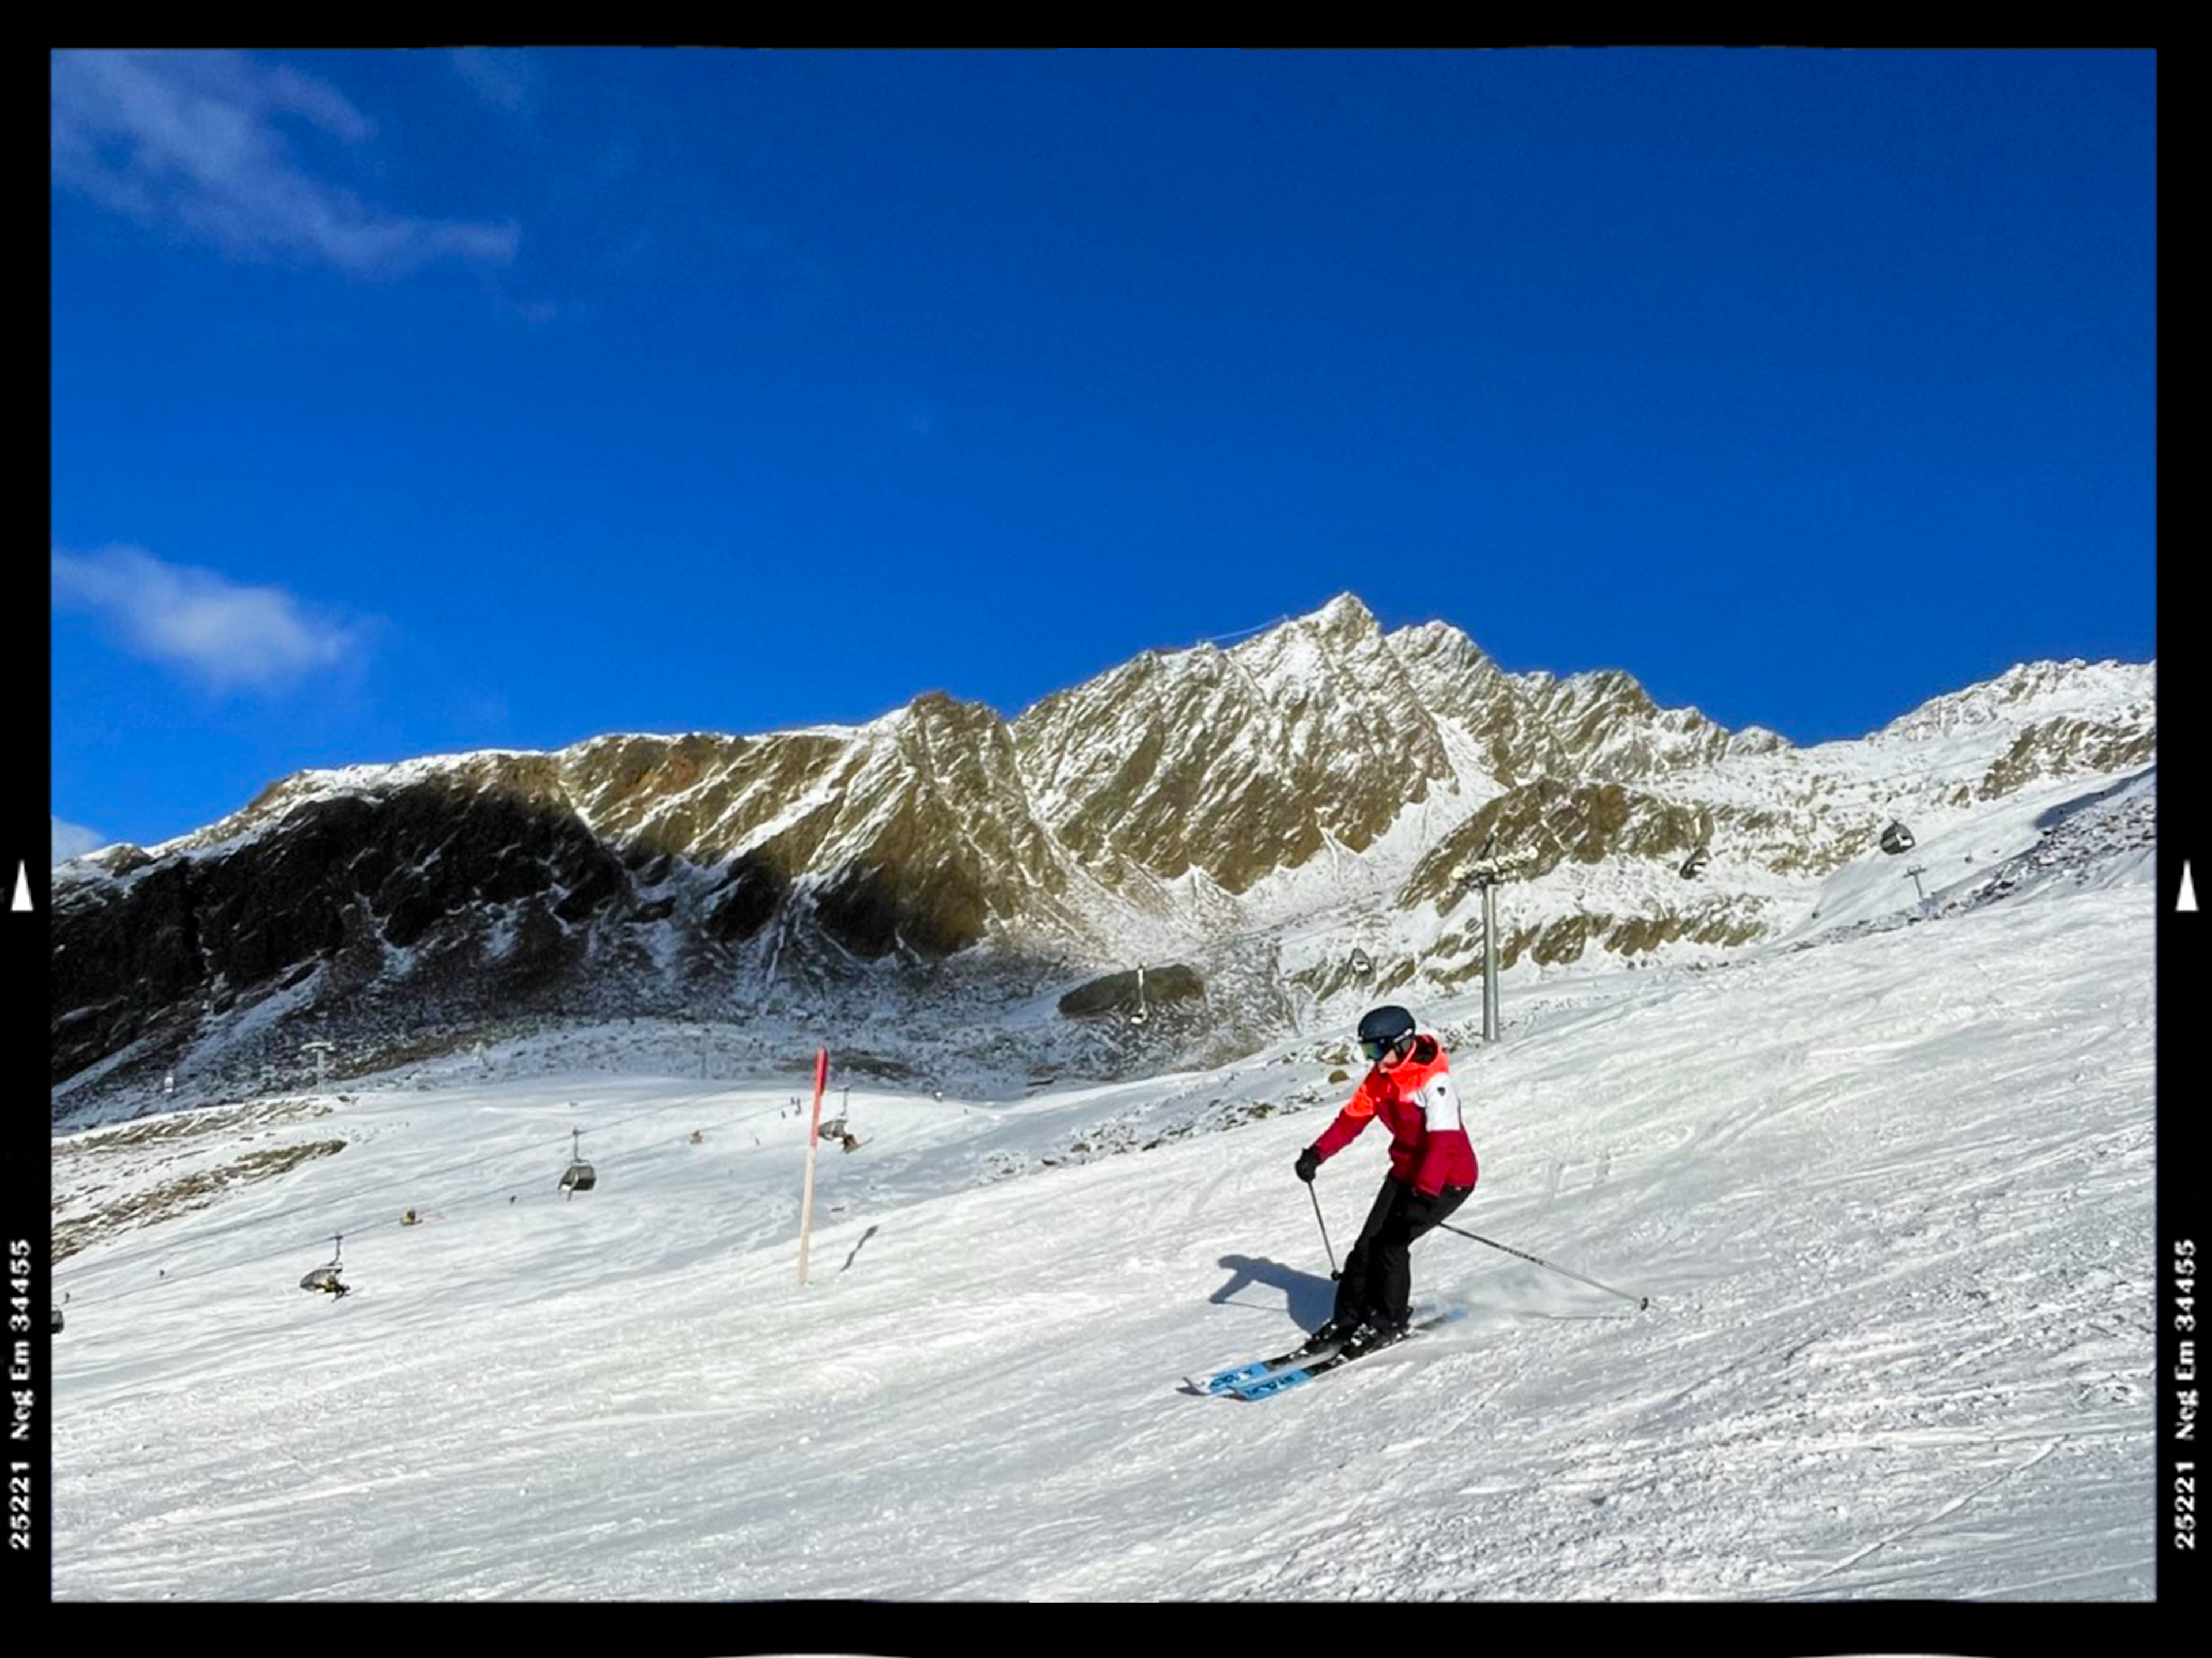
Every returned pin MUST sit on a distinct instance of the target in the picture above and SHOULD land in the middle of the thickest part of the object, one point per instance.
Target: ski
(1227, 1381)
(1268, 1384)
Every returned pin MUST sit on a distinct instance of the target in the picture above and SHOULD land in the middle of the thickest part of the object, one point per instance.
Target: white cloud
(228, 636)
(73, 840)
(190, 140)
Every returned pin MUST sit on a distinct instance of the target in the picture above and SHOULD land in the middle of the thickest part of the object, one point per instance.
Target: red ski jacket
(1429, 1146)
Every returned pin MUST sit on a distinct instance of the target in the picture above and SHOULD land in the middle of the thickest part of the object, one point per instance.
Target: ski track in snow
(1891, 1197)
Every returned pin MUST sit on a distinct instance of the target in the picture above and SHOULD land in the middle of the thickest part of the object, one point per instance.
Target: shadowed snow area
(1890, 1192)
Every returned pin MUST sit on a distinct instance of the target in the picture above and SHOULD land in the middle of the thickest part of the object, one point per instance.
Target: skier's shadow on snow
(1312, 1299)
(857, 1247)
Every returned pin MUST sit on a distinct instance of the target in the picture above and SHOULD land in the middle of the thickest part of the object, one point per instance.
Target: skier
(1432, 1171)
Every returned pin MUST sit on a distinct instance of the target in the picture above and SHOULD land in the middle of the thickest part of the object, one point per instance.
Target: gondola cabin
(1694, 864)
(1896, 839)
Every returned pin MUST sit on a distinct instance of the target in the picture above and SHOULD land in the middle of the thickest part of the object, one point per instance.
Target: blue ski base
(1229, 1381)
(1269, 1383)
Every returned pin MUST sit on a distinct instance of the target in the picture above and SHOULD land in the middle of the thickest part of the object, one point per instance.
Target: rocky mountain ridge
(1249, 815)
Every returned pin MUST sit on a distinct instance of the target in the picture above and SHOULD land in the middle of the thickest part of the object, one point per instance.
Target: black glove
(1309, 1161)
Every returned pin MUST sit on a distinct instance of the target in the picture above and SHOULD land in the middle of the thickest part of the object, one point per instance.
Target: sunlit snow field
(1891, 1196)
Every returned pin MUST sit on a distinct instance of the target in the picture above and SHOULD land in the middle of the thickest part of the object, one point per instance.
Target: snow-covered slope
(1890, 1192)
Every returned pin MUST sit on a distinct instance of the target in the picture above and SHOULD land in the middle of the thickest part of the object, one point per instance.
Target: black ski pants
(1378, 1274)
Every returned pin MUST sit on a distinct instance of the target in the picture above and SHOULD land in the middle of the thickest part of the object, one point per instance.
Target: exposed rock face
(1126, 994)
(351, 882)
(1177, 808)
(1238, 763)
(1552, 820)
(2062, 747)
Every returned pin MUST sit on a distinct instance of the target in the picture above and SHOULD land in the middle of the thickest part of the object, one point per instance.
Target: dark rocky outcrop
(1119, 993)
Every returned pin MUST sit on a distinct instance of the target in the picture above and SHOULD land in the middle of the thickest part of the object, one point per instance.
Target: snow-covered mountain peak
(1346, 609)
(1319, 780)
(2032, 690)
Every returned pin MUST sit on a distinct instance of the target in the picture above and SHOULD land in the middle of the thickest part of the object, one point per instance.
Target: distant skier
(1432, 1171)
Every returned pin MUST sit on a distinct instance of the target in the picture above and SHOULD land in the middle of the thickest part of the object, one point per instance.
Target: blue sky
(411, 402)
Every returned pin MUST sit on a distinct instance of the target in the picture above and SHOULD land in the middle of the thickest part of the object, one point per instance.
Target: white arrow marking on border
(2187, 892)
(23, 884)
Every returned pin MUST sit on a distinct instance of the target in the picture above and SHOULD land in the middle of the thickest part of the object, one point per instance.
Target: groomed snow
(1890, 1196)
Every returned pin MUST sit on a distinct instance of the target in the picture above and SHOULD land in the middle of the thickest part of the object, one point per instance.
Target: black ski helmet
(1384, 1030)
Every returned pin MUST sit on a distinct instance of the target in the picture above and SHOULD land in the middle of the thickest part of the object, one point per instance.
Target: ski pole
(1642, 1302)
(1323, 1224)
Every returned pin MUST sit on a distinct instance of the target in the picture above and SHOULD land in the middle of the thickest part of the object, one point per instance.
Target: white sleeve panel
(1440, 1104)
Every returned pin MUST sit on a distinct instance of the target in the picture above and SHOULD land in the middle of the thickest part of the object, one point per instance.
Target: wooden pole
(813, 1134)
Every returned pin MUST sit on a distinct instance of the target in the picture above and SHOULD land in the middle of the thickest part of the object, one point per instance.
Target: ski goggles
(1375, 1051)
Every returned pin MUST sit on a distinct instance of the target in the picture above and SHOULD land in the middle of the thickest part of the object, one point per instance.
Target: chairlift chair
(839, 1128)
(580, 1176)
(325, 1278)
